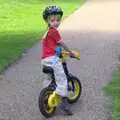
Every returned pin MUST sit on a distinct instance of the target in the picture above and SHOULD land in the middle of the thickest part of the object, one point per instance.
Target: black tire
(43, 100)
(77, 91)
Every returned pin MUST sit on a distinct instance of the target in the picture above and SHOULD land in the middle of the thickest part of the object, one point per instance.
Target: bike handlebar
(75, 57)
(76, 54)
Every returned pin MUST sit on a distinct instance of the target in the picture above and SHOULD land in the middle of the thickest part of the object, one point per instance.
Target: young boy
(52, 16)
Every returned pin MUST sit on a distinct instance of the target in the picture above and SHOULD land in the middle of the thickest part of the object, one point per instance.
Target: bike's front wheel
(74, 89)
(43, 103)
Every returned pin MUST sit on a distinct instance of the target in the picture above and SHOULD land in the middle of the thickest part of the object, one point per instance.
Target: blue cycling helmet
(52, 10)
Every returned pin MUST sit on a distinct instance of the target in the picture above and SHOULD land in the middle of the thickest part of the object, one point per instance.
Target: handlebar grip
(75, 57)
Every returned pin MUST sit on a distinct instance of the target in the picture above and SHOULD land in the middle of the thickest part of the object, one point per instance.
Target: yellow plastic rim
(74, 95)
(49, 109)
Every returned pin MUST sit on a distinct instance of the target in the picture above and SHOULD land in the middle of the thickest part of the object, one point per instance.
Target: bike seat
(48, 69)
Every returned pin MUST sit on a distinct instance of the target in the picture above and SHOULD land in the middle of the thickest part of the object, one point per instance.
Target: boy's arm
(62, 44)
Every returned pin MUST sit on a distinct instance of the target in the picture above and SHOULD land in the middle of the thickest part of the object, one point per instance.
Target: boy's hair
(52, 10)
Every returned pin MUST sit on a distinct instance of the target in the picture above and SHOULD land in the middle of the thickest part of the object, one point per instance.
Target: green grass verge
(21, 25)
(113, 88)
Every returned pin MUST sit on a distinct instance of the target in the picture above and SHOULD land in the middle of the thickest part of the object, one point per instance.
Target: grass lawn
(114, 89)
(21, 25)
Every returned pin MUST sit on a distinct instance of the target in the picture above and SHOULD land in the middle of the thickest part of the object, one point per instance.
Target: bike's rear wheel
(43, 103)
(75, 89)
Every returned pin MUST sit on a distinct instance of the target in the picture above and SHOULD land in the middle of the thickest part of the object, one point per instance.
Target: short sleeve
(55, 35)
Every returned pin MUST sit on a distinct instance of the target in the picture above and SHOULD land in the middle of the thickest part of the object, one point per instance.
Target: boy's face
(54, 20)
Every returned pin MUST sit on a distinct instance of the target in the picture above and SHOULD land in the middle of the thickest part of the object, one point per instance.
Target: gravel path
(94, 29)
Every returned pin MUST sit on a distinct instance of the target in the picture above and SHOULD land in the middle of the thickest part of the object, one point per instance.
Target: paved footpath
(94, 29)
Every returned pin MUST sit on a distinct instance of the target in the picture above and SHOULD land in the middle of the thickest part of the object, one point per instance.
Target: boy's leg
(61, 81)
(60, 76)
(62, 88)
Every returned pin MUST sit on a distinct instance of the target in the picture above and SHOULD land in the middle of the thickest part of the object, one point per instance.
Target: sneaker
(65, 107)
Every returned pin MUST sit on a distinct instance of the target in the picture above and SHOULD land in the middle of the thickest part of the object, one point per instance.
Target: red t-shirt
(49, 43)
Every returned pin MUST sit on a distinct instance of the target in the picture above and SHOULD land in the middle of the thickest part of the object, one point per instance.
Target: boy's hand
(72, 54)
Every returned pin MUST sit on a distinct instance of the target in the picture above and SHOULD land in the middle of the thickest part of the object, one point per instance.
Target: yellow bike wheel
(75, 89)
(43, 103)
